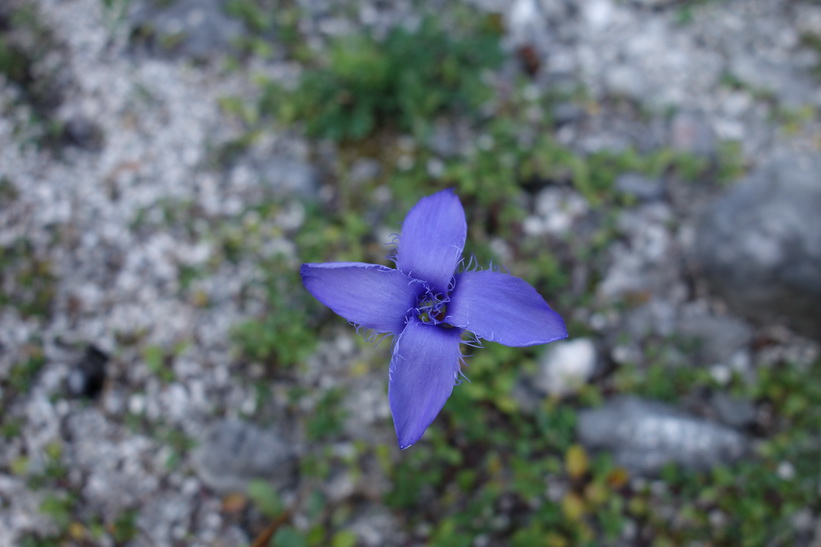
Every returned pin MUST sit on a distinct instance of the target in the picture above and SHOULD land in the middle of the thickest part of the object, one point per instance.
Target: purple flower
(428, 305)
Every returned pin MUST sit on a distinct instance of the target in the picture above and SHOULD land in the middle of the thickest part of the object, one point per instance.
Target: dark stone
(87, 376)
(759, 245)
(84, 134)
(646, 435)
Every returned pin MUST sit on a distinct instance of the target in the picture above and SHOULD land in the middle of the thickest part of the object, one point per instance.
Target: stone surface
(119, 470)
(716, 338)
(645, 259)
(733, 411)
(195, 29)
(646, 435)
(640, 187)
(759, 245)
(289, 176)
(566, 366)
(236, 452)
(376, 527)
(691, 133)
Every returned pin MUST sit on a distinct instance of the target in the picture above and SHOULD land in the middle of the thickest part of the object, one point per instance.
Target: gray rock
(759, 245)
(236, 452)
(645, 259)
(691, 133)
(376, 526)
(364, 170)
(789, 85)
(640, 187)
(627, 81)
(448, 139)
(653, 3)
(717, 338)
(526, 25)
(195, 29)
(566, 366)
(646, 435)
(566, 112)
(366, 407)
(656, 317)
(733, 411)
(286, 175)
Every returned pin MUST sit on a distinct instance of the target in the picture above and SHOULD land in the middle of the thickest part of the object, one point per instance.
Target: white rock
(566, 366)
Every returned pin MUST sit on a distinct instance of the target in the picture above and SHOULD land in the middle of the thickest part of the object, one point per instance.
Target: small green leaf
(265, 497)
(345, 538)
(289, 537)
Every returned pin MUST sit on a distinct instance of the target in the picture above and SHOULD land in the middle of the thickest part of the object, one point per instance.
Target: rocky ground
(143, 256)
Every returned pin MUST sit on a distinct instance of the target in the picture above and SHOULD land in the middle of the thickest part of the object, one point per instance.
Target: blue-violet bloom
(427, 304)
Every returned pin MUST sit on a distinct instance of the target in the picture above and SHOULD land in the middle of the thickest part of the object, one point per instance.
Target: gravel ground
(92, 220)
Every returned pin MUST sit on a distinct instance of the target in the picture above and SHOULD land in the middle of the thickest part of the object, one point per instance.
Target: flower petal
(503, 308)
(424, 369)
(372, 296)
(432, 238)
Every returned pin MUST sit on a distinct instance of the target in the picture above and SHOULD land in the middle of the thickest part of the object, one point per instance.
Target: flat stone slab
(645, 435)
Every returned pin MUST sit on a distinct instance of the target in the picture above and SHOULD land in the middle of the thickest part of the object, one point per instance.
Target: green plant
(328, 418)
(59, 508)
(265, 498)
(24, 42)
(159, 363)
(402, 82)
(27, 281)
(283, 336)
(24, 373)
(124, 528)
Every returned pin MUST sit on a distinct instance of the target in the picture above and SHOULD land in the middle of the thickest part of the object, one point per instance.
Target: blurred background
(652, 167)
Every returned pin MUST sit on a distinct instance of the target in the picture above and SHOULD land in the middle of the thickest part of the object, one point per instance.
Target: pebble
(566, 366)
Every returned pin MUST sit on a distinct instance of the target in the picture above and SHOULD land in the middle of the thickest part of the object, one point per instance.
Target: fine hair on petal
(393, 254)
(460, 376)
(473, 341)
(472, 264)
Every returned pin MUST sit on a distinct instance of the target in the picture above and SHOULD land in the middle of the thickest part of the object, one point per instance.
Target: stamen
(432, 308)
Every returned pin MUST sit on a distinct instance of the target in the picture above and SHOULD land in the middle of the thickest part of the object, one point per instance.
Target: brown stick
(264, 539)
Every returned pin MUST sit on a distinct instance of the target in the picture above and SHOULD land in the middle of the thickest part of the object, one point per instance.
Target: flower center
(431, 308)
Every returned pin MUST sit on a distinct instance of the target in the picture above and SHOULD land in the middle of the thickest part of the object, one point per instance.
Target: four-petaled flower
(427, 305)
